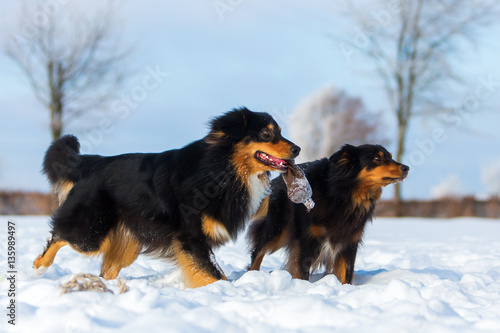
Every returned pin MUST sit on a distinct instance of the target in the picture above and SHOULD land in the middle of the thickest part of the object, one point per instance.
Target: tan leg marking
(119, 249)
(340, 269)
(194, 276)
(47, 258)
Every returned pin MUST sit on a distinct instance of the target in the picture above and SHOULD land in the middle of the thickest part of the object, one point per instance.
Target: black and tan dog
(177, 205)
(346, 188)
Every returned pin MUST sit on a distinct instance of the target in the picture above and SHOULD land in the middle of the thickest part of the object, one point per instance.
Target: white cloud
(490, 176)
(450, 187)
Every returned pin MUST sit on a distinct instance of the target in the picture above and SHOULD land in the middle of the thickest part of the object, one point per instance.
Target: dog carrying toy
(298, 188)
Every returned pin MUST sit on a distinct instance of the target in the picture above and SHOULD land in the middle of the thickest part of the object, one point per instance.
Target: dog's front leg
(344, 263)
(197, 262)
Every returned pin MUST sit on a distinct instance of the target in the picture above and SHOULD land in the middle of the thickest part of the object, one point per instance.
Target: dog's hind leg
(44, 260)
(119, 249)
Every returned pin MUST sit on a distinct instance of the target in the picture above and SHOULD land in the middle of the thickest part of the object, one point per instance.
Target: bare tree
(72, 58)
(414, 46)
(327, 119)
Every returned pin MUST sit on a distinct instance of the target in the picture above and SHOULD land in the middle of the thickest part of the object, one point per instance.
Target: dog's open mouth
(271, 161)
(394, 180)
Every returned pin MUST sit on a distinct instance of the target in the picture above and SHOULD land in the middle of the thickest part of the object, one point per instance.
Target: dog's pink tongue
(298, 188)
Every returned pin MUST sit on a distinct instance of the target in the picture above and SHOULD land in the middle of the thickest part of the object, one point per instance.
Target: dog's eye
(266, 134)
(378, 158)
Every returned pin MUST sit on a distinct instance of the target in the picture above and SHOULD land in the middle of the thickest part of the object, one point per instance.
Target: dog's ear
(232, 123)
(344, 156)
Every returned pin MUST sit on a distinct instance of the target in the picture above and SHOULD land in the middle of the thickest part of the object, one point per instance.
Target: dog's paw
(37, 267)
(40, 270)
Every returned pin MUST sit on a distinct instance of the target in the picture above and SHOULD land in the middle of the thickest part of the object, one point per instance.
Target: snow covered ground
(412, 275)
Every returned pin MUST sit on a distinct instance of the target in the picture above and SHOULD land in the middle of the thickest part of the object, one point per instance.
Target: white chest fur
(259, 188)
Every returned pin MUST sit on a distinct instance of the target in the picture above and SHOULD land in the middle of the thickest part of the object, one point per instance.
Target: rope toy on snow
(89, 282)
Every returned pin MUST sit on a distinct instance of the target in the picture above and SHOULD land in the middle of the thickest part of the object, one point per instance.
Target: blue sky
(266, 55)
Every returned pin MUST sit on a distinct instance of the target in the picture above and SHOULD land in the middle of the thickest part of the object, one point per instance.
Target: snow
(412, 275)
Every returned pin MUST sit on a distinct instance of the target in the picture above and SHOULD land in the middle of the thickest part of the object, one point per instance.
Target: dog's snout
(405, 168)
(295, 150)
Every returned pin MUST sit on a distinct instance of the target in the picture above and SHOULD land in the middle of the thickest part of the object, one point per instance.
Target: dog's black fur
(346, 188)
(178, 204)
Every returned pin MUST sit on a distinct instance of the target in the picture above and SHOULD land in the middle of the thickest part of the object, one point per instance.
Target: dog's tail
(61, 159)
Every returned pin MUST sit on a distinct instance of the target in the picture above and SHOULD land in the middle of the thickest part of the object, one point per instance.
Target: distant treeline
(443, 208)
(25, 203)
(34, 203)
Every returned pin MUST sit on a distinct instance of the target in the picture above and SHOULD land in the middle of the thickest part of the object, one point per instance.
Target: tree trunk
(56, 82)
(402, 126)
(56, 125)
